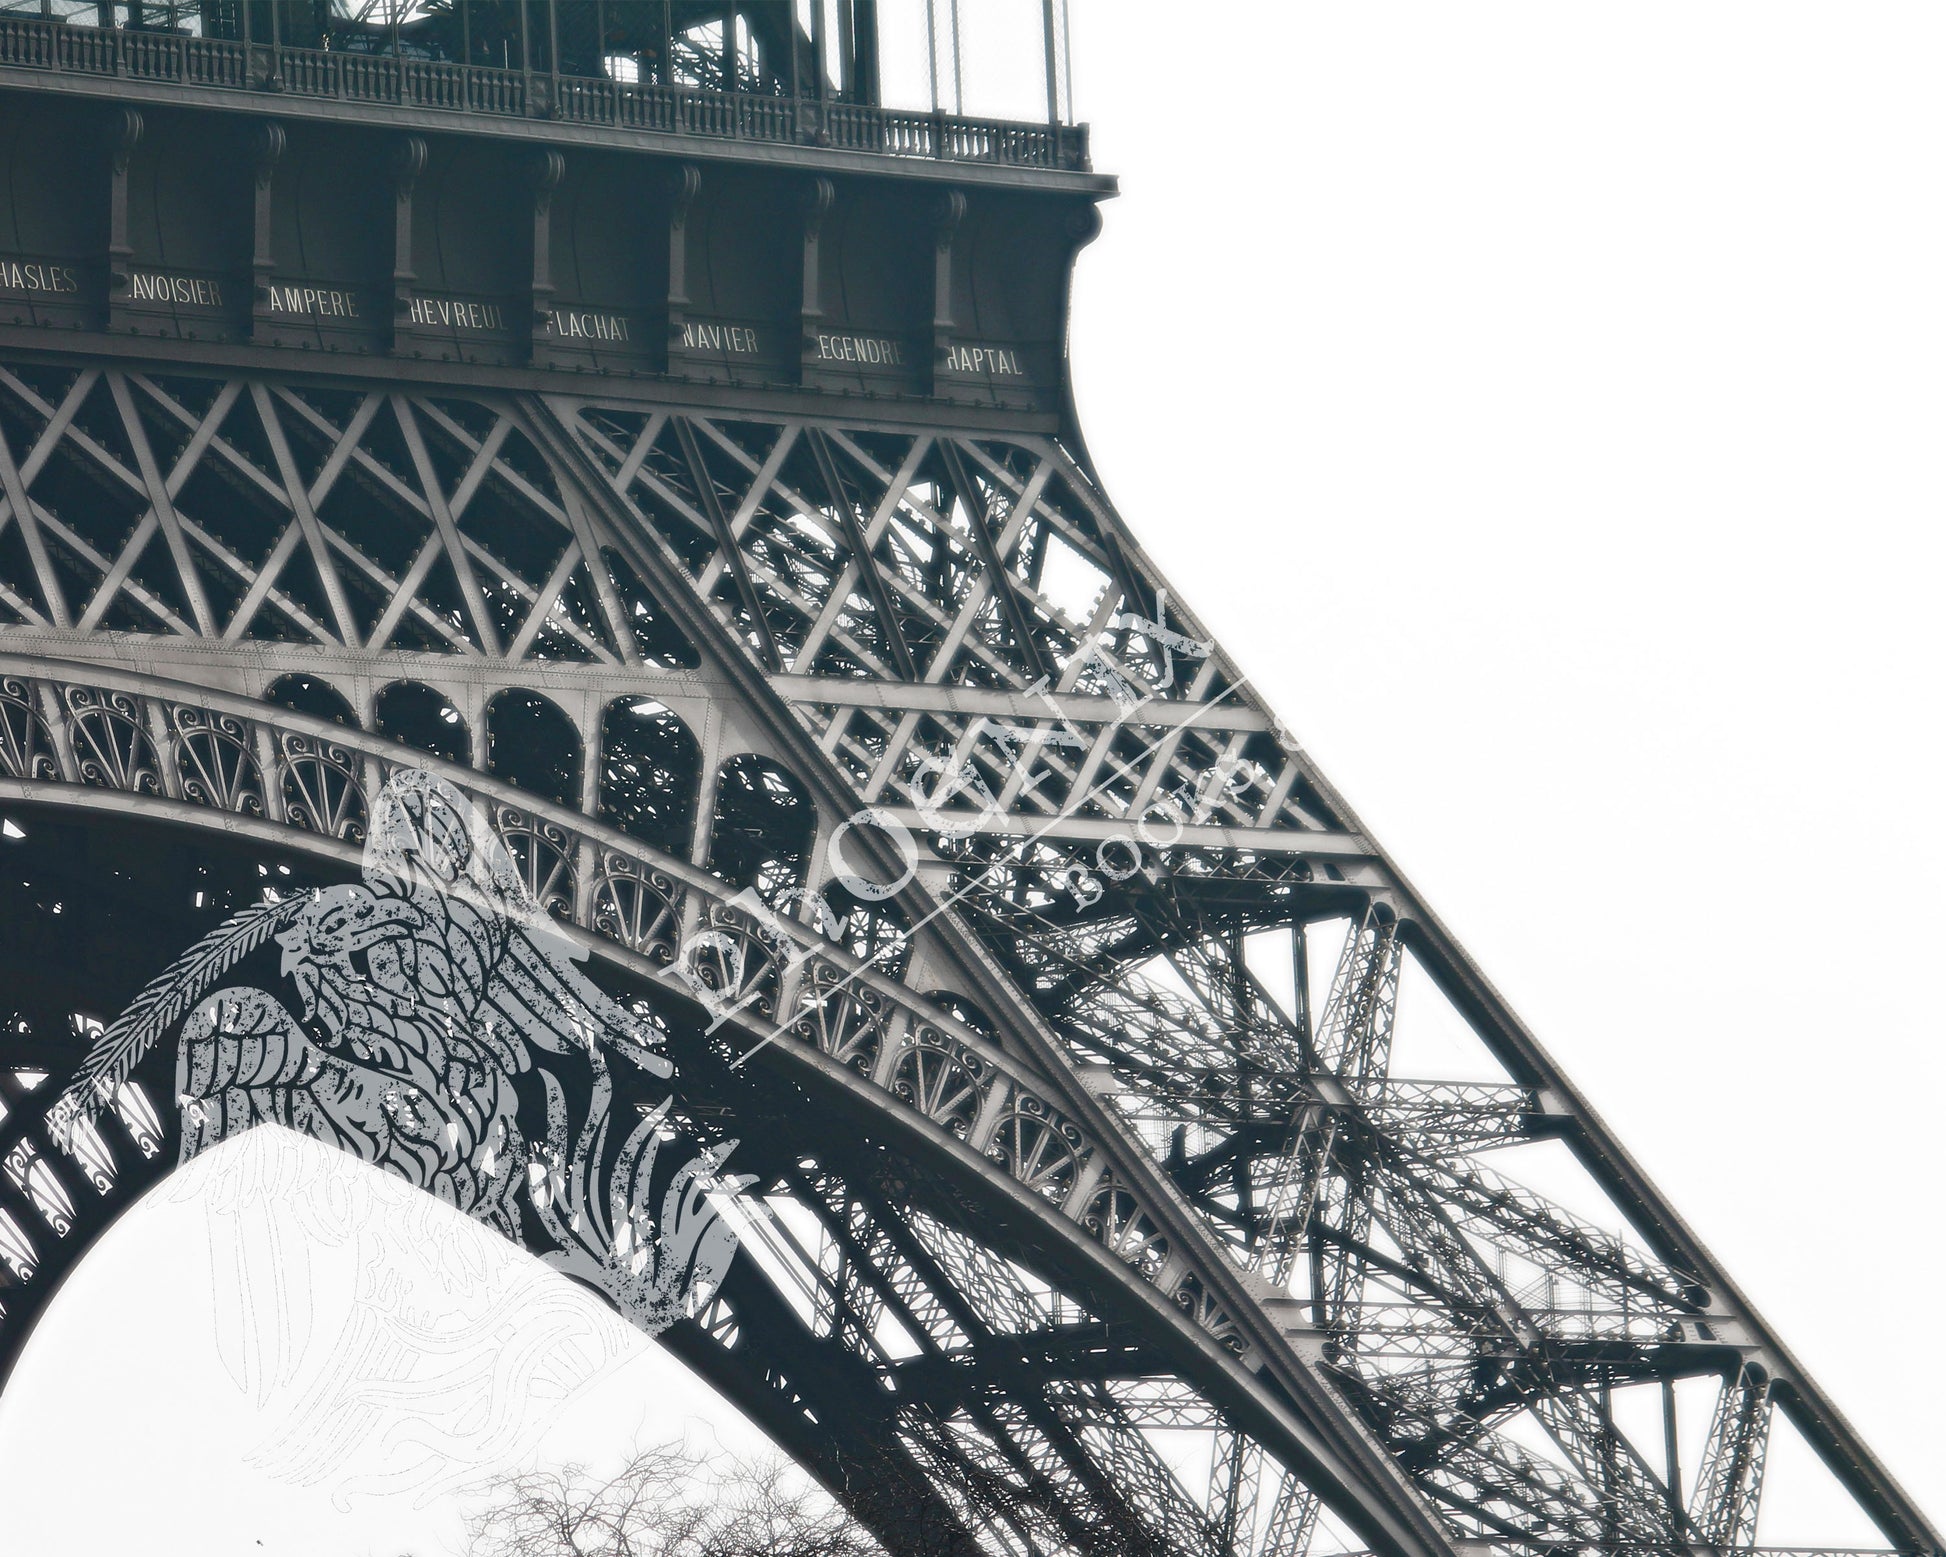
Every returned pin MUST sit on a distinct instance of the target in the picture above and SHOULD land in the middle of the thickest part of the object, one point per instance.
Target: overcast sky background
(1542, 402)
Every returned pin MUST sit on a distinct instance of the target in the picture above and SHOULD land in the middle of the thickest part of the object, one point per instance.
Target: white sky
(1542, 402)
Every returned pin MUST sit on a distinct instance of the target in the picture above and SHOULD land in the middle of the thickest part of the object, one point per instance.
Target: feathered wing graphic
(423, 994)
(161, 1004)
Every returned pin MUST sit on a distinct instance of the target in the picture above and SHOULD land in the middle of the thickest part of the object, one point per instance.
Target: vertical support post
(526, 43)
(847, 52)
(796, 86)
(820, 49)
(408, 162)
(124, 132)
(266, 146)
(666, 40)
(949, 210)
(465, 32)
(727, 55)
(817, 205)
(959, 97)
(1053, 75)
(932, 50)
(1672, 1458)
(1067, 56)
(546, 171)
(864, 51)
(684, 182)
(553, 56)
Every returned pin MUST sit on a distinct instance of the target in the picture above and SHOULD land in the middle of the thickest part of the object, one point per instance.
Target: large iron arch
(297, 790)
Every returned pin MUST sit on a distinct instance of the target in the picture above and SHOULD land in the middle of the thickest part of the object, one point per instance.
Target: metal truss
(878, 1304)
(1146, 1180)
(964, 624)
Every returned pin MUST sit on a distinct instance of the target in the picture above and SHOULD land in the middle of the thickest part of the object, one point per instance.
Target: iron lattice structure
(1092, 1213)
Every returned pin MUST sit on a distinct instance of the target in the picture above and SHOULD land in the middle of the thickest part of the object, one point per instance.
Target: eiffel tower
(612, 423)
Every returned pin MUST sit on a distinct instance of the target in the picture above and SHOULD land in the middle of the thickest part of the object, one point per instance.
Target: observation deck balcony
(138, 65)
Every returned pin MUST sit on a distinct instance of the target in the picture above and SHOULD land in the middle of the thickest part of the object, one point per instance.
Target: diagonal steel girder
(1300, 1409)
(1340, 839)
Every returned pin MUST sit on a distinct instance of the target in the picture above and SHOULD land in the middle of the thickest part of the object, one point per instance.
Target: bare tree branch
(667, 1501)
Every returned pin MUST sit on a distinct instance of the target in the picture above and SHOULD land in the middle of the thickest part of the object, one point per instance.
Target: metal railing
(31, 44)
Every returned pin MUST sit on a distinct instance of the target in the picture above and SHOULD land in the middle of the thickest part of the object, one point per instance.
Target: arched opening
(761, 831)
(651, 767)
(411, 713)
(878, 933)
(534, 746)
(281, 1283)
(303, 694)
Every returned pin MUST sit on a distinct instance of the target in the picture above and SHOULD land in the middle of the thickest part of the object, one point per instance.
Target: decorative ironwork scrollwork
(844, 1019)
(26, 748)
(1038, 1147)
(214, 762)
(111, 749)
(321, 789)
(90, 1153)
(542, 855)
(1194, 1299)
(139, 1118)
(1126, 1230)
(32, 1176)
(943, 1078)
(637, 906)
(737, 953)
(17, 1250)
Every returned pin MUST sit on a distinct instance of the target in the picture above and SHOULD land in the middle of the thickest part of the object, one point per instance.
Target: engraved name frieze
(739, 340)
(312, 302)
(159, 286)
(44, 278)
(585, 324)
(873, 351)
(455, 314)
(998, 361)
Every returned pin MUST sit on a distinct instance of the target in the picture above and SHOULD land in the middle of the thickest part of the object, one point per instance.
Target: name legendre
(871, 350)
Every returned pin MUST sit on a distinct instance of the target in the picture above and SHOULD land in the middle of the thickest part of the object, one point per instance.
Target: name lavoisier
(151, 286)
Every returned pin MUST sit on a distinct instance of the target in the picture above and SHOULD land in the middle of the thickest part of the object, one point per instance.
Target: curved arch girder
(842, 1041)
